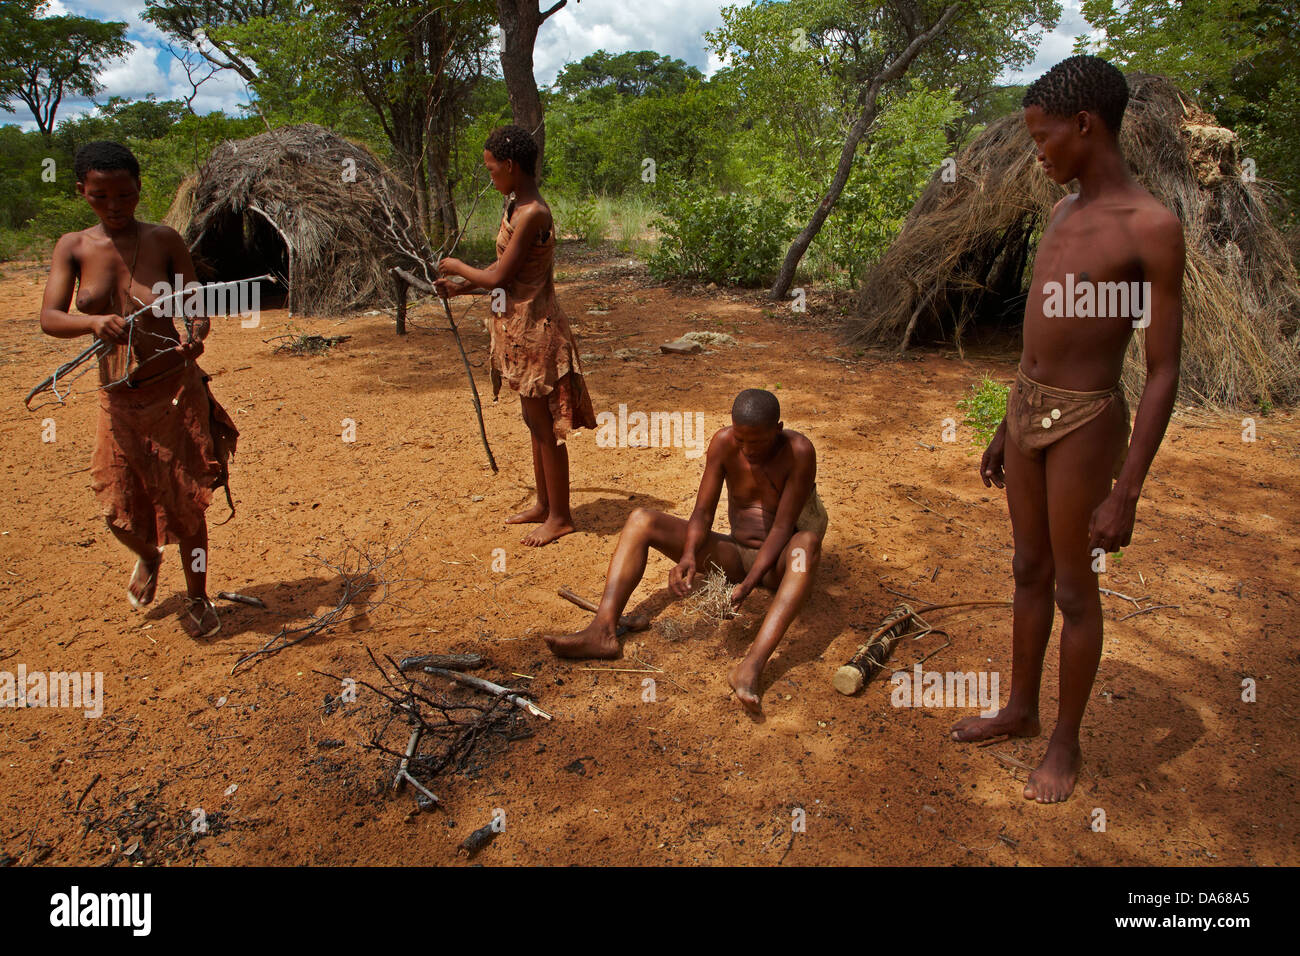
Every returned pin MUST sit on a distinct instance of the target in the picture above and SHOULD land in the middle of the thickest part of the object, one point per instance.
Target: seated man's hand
(740, 592)
(682, 576)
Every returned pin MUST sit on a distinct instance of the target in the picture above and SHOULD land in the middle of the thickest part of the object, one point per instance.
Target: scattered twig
(406, 759)
(241, 598)
(1011, 761)
(453, 662)
(307, 344)
(1154, 607)
(1117, 594)
(366, 587)
(513, 696)
(455, 729)
(90, 786)
(939, 513)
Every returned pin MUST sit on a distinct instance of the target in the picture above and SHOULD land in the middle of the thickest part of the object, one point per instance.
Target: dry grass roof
(325, 208)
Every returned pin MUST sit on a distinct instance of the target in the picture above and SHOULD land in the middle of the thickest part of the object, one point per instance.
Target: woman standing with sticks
(533, 348)
(162, 441)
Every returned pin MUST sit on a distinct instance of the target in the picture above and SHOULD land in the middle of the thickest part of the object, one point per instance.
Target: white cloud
(136, 76)
(123, 11)
(1054, 46)
(671, 27)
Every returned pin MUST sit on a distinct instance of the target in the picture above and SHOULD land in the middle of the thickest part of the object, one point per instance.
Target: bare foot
(743, 679)
(534, 515)
(1004, 723)
(1053, 781)
(142, 587)
(550, 529)
(591, 641)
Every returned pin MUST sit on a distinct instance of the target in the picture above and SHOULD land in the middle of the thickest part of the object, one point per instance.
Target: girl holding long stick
(533, 348)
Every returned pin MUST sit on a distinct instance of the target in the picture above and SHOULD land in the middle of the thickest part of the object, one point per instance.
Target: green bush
(985, 409)
(586, 222)
(729, 239)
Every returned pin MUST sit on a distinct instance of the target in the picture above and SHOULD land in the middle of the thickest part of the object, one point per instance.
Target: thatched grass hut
(964, 256)
(304, 204)
(181, 210)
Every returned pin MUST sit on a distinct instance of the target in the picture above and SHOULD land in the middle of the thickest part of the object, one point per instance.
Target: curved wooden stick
(478, 408)
(423, 286)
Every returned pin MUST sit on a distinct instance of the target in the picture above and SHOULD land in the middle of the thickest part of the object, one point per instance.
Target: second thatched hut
(963, 258)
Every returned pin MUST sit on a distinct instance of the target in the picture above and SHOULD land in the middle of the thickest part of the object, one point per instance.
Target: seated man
(777, 524)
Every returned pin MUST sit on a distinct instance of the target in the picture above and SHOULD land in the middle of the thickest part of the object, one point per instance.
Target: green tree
(43, 59)
(634, 73)
(199, 23)
(121, 119)
(412, 62)
(1237, 57)
(853, 55)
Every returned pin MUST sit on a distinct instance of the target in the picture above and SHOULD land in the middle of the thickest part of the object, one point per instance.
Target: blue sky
(674, 27)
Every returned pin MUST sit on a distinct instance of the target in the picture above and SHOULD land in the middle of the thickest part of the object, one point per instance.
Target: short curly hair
(1080, 83)
(756, 408)
(514, 142)
(105, 156)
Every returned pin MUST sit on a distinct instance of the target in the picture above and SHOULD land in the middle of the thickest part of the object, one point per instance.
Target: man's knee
(1077, 599)
(1032, 571)
(641, 519)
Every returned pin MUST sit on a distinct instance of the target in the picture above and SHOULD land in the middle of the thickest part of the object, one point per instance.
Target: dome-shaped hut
(302, 203)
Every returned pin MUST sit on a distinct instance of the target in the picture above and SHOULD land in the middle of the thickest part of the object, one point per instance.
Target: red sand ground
(1185, 771)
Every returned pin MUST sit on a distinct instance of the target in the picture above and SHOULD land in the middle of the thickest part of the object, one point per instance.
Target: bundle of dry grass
(308, 205)
(711, 599)
(965, 253)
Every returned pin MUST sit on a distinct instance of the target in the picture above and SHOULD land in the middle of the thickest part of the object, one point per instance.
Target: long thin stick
(470, 680)
(103, 346)
(478, 409)
(1154, 607)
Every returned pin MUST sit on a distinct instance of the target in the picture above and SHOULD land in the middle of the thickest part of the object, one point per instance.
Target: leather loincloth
(1040, 415)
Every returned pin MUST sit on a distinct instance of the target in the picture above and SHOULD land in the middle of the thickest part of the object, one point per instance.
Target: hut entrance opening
(240, 245)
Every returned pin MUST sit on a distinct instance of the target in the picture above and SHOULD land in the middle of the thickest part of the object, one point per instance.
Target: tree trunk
(444, 204)
(860, 126)
(520, 21)
(422, 198)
